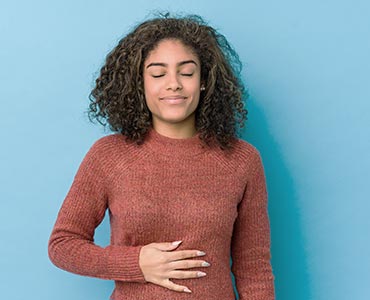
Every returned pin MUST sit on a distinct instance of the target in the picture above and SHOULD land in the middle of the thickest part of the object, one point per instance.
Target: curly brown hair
(118, 96)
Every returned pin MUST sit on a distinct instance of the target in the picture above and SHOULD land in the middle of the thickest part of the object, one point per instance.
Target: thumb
(167, 246)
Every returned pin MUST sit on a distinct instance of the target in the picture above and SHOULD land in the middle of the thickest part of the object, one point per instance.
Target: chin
(174, 118)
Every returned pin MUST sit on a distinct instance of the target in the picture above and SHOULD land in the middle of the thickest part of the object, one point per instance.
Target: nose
(173, 83)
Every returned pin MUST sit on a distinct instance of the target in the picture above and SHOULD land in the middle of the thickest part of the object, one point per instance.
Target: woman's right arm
(71, 245)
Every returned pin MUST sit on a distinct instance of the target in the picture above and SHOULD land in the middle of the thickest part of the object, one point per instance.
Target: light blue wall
(307, 67)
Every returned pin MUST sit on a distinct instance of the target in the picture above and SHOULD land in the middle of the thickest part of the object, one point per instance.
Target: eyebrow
(165, 65)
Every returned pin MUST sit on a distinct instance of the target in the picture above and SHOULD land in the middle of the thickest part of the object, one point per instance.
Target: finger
(166, 246)
(187, 264)
(175, 287)
(186, 274)
(183, 254)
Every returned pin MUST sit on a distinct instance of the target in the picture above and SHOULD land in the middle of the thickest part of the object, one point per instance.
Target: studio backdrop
(306, 67)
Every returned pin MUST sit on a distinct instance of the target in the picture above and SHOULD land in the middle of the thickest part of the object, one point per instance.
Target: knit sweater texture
(167, 190)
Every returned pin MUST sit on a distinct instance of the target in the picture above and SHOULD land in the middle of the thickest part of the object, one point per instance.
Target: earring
(202, 88)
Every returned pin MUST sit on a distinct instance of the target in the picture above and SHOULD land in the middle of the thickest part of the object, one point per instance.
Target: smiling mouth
(174, 99)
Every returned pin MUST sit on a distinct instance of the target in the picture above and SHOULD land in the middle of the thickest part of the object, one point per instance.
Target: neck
(175, 131)
(174, 147)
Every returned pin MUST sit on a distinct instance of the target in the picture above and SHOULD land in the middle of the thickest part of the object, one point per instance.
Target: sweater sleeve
(250, 248)
(71, 245)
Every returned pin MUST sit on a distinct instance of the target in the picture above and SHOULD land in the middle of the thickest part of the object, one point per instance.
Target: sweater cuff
(123, 263)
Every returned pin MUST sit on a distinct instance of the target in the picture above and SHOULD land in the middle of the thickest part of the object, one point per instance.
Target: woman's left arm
(250, 248)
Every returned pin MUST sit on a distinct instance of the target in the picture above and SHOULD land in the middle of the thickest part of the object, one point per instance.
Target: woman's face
(172, 84)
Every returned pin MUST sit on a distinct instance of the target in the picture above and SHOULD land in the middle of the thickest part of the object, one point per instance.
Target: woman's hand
(158, 265)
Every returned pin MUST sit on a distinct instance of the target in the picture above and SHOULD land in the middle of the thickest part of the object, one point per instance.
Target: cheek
(150, 88)
(151, 94)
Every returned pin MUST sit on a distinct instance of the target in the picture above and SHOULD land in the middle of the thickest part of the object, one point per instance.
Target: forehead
(171, 51)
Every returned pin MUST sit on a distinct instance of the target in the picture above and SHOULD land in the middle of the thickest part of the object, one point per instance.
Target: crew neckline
(174, 146)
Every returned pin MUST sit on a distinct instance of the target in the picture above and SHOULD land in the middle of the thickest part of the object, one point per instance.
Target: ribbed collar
(164, 145)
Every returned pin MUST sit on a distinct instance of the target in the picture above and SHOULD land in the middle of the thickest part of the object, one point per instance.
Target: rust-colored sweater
(162, 191)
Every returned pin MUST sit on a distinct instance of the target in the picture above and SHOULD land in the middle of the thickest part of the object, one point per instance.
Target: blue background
(306, 64)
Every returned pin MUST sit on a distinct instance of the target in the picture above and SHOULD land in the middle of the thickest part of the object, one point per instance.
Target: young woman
(174, 170)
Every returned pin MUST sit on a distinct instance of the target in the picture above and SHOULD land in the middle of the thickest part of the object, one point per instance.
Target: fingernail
(201, 274)
(200, 253)
(205, 264)
(176, 243)
(187, 290)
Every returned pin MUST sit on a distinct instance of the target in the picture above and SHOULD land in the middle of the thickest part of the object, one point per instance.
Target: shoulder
(111, 142)
(240, 159)
(245, 150)
(107, 155)
(110, 148)
(244, 154)
(248, 159)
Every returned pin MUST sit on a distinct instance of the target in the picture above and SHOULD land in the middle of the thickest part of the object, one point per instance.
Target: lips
(176, 99)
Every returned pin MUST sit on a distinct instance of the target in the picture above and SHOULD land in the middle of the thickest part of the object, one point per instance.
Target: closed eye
(157, 76)
(187, 74)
